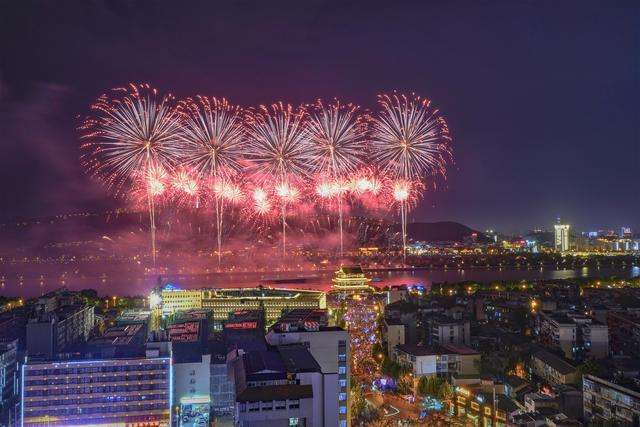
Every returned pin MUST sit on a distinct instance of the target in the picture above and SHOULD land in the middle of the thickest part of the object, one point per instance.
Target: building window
(342, 370)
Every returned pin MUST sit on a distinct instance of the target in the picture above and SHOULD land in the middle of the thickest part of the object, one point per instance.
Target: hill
(444, 231)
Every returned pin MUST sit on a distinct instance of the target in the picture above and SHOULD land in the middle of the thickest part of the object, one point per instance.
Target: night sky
(541, 97)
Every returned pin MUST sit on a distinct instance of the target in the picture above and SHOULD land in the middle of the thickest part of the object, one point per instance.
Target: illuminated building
(176, 299)
(606, 403)
(329, 346)
(351, 279)
(483, 408)
(131, 391)
(561, 237)
(221, 302)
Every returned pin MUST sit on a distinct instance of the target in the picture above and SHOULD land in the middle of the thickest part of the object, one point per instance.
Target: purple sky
(542, 97)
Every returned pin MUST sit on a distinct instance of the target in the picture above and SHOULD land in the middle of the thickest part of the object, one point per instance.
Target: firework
(228, 191)
(410, 141)
(261, 203)
(212, 143)
(185, 186)
(130, 131)
(337, 141)
(279, 150)
(366, 187)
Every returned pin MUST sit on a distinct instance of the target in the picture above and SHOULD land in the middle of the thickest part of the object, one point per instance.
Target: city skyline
(509, 129)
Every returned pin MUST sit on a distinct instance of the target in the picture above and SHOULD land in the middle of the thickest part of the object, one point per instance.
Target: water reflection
(130, 284)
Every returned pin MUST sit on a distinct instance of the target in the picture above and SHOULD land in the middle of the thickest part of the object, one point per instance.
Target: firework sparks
(337, 136)
(212, 142)
(129, 132)
(185, 186)
(410, 140)
(212, 138)
(261, 202)
(133, 130)
(279, 151)
(228, 191)
(272, 160)
(337, 139)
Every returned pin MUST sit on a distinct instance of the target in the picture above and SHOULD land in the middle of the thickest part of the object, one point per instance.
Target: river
(128, 284)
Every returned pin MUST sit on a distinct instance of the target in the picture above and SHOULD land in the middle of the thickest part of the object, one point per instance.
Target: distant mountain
(444, 231)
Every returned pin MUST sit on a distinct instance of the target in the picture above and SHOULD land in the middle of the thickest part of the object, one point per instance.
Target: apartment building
(131, 391)
(442, 361)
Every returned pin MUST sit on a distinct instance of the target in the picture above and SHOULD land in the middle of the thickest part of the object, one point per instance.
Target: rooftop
(120, 335)
(296, 358)
(355, 269)
(263, 361)
(275, 392)
(420, 350)
(555, 362)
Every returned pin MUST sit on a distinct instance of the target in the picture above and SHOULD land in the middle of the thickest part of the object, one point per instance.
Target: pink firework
(261, 203)
(150, 184)
(186, 188)
(287, 192)
(330, 189)
(228, 191)
(365, 182)
(131, 129)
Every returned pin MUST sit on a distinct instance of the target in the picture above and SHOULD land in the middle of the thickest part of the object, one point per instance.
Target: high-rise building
(561, 237)
(329, 346)
(133, 391)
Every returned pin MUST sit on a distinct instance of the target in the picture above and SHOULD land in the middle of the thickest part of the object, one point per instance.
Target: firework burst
(131, 130)
(186, 187)
(337, 135)
(410, 141)
(212, 143)
(279, 148)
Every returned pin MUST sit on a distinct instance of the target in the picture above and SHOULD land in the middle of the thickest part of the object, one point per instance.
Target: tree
(393, 369)
(404, 386)
(591, 367)
(377, 349)
(424, 386)
(435, 387)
